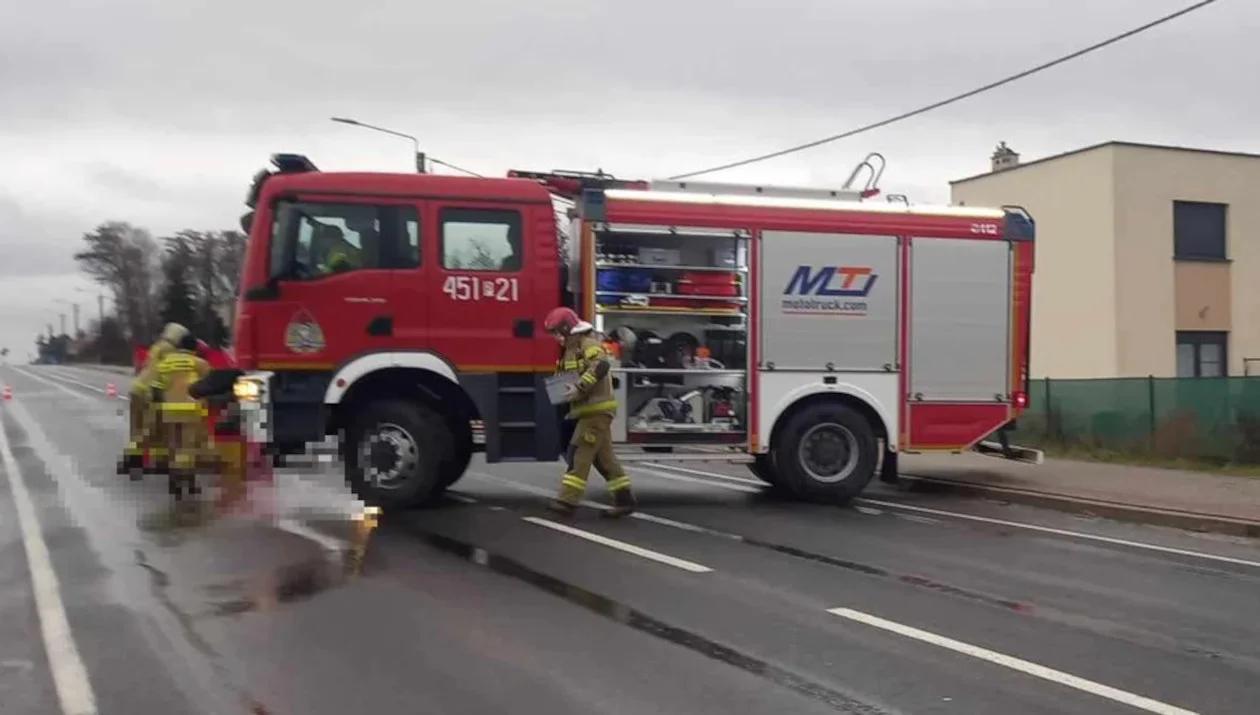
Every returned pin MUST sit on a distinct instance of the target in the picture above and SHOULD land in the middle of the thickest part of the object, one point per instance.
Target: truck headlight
(246, 389)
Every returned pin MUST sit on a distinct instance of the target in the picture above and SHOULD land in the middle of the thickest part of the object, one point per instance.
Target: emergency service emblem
(303, 335)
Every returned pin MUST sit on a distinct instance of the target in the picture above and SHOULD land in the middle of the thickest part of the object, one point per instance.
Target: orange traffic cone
(109, 390)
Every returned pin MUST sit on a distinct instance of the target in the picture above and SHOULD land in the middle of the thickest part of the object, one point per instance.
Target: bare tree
(124, 259)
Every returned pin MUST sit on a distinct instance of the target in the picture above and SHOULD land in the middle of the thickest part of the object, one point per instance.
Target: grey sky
(159, 112)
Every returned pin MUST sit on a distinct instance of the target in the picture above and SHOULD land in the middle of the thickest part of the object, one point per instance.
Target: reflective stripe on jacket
(582, 354)
(176, 372)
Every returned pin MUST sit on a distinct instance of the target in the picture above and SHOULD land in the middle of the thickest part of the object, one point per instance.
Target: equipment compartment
(673, 304)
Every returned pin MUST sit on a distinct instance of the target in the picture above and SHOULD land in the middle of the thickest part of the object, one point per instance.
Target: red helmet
(561, 320)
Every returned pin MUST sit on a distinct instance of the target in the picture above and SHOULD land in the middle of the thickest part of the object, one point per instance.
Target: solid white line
(641, 516)
(1014, 524)
(713, 475)
(57, 384)
(1023, 666)
(693, 480)
(62, 378)
(1072, 534)
(621, 546)
(70, 677)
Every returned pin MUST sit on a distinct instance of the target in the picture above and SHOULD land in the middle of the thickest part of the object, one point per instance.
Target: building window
(1202, 353)
(480, 239)
(1199, 230)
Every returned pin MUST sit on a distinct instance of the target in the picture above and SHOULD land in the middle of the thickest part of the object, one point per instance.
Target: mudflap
(1003, 449)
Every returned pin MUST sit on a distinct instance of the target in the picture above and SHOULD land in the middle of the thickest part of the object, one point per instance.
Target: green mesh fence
(1216, 419)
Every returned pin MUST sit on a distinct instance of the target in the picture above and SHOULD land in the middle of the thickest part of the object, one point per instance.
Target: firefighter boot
(132, 463)
(622, 498)
(572, 488)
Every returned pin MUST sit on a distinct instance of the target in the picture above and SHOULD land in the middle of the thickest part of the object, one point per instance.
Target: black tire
(407, 428)
(454, 469)
(828, 453)
(763, 468)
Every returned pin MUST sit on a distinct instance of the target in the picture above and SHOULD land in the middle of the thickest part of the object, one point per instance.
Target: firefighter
(183, 417)
(143, 429)
(593, 406)
(339, 254)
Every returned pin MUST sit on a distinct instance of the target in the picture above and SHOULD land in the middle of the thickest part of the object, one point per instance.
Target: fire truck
(813, 334)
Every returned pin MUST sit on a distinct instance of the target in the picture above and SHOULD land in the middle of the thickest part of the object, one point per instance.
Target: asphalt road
(716, 598)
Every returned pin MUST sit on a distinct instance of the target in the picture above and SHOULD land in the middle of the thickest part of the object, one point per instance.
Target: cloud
(158, 113)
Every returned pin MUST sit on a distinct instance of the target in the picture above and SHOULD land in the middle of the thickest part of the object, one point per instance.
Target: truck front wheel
(396, 454)
(828, 454)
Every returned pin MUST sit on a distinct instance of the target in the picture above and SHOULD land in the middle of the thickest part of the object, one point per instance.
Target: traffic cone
(8, 392)
(109, 390)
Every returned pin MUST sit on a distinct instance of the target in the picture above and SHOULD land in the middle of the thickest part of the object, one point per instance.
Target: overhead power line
(957, 98)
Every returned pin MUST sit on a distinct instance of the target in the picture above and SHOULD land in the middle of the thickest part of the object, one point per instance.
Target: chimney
(1004, 157)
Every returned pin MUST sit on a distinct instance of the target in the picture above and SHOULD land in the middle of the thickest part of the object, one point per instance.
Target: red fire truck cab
(810, 333)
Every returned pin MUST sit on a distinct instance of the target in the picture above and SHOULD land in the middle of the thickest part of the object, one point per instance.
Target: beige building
(1148, 258)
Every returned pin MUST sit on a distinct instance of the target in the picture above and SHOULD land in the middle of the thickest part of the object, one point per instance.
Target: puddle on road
(267, 592)
(638, 620)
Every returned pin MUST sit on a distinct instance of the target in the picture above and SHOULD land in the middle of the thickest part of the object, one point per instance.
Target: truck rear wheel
(396, 454)
(828, 454)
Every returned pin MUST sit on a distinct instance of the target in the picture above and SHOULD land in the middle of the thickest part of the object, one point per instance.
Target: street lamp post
(100, 307)
(75, 308)
(420, 159)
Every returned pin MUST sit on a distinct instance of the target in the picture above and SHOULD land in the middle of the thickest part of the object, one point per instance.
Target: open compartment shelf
(674, 301)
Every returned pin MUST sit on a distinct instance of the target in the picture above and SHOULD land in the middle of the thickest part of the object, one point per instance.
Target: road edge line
(70, 677)
(1119, 511)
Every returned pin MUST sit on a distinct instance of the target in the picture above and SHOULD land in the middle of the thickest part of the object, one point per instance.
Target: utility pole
(63, 322)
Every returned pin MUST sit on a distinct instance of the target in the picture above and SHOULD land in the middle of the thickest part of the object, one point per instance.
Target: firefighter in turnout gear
(592, 405)
(143, 430)
(183, 418)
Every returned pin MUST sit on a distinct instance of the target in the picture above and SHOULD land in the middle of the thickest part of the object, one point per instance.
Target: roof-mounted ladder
(844, 193)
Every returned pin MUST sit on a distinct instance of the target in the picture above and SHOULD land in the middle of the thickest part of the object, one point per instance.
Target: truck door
(483, 317)
(333, 263)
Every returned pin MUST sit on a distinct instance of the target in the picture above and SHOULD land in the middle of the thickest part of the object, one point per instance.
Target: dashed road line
(1023, 666)
(628, 548)
(70, 678)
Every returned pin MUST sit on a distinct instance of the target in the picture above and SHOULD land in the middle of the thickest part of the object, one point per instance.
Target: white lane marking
(1071, 534)
(712, 475)
(1019, 525)
(461, 498)
(641, 516)
(61, 379)
(1023, 666)
(694, 480)
(70, 677)
(621, 546)
(57, 384)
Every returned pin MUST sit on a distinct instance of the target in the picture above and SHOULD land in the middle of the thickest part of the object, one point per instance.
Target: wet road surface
(716, 598)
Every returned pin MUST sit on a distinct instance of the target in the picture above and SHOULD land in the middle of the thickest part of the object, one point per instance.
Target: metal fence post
(1150, 404)
(1048, 428)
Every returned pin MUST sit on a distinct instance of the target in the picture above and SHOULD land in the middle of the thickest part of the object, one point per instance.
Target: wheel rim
(828, 453)
(388, 454)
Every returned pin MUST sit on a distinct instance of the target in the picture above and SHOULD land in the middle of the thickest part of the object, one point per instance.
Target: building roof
(1092, 147)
